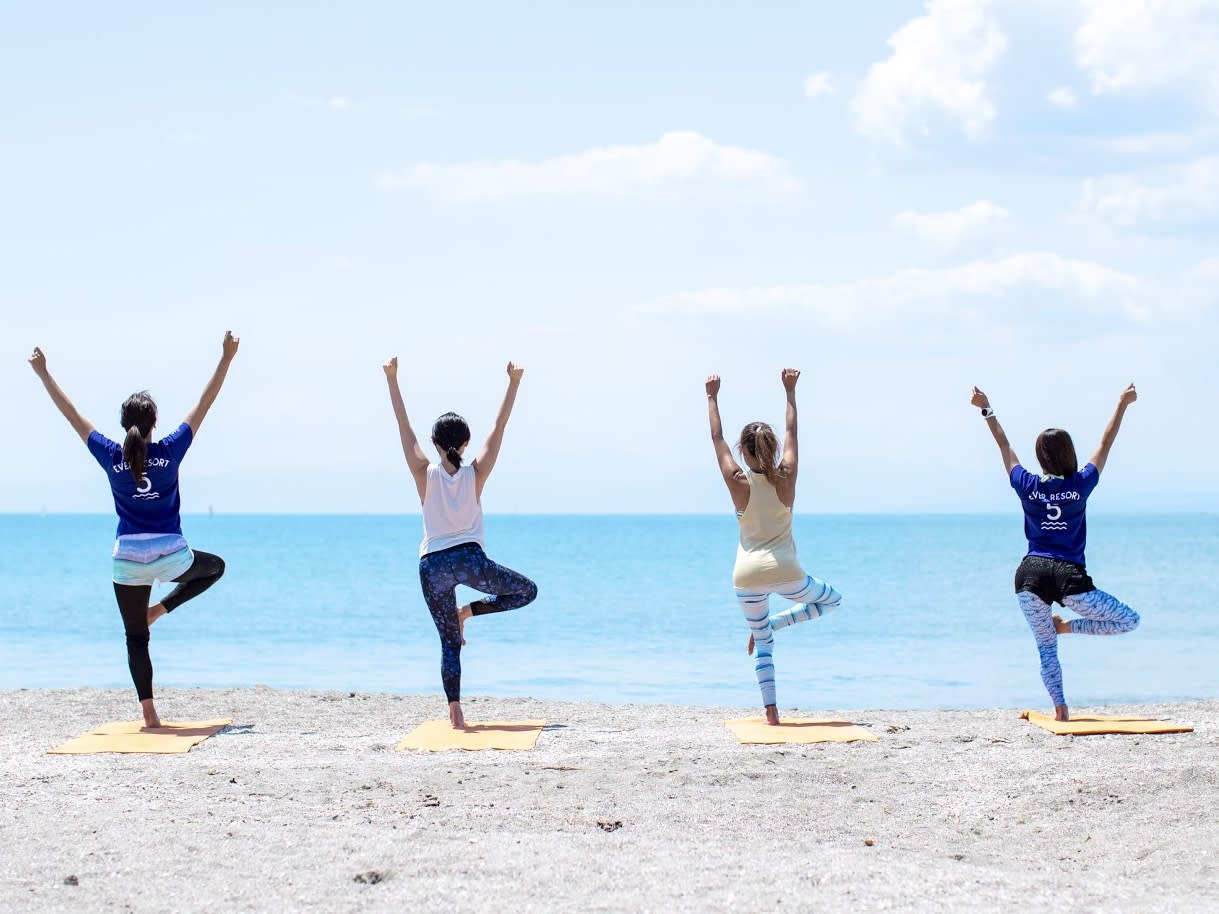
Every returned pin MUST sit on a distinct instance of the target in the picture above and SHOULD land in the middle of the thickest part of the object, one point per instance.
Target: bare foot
(151, 720)
(463, 613)
(155, 612)
(456, 718)
(1061, 625)
(749, 650)
(1061, 712)
(772, 715)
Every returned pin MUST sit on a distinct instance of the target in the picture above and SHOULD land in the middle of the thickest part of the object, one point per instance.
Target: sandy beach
(304, 805)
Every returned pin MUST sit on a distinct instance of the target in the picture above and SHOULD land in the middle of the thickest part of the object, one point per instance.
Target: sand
(304, 805)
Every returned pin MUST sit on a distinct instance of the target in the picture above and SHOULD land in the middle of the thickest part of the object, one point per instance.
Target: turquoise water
(630, 609)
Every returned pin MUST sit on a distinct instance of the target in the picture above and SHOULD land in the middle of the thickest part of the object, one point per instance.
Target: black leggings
(133, 605)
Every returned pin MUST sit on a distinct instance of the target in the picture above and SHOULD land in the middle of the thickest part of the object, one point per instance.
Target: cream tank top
(452, 514)
(767, 553)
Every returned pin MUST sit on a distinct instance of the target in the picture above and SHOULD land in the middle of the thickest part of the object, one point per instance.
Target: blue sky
(902, 199)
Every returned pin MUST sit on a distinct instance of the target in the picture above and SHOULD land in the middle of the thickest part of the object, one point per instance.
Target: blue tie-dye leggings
(440, 573)
(1101, 614)
(813, 599)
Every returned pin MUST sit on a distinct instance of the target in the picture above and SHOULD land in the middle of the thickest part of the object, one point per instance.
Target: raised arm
(416, 459)
(734, 478)
(196, 416)
(83, 426)
(791, 451)
(484, 463)
(981, 401)
(1129, 395)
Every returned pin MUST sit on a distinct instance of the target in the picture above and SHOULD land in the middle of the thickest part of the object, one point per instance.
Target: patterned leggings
(440, 573)
(813, 599)
(1101, 614)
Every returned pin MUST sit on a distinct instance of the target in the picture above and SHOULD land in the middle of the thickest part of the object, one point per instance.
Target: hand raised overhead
(38, 361)
(515, 372)
(390, 366)
(979, 399)
(1129, 395)
(789, 377)
(230, 344)
(713, 385)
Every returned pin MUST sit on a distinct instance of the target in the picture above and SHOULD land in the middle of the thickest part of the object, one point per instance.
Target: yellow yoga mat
(1092, 725)
(754, 731)
(130, 736)
(439, 735)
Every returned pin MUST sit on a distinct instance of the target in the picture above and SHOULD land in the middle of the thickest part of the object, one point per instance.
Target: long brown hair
(759, 444)
(138, 416)
(1056, 453)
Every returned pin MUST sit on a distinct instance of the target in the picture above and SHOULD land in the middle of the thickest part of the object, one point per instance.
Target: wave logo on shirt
(144, 490)
(1053, 521)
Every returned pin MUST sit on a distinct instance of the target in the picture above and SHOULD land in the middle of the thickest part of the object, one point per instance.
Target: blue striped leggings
(1100, 614)
(813, 599)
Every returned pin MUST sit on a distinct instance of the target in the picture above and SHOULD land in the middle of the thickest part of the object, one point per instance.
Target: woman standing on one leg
(1053, 571)
(149, 545)
(452, 549)
(766, 561)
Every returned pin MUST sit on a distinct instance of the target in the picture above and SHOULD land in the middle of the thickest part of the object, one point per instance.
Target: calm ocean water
(630, 609)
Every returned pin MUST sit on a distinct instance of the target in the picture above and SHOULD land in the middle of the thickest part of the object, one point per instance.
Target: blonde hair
(759, 443)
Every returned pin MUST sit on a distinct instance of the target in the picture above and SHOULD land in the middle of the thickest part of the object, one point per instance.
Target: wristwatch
(987, 412)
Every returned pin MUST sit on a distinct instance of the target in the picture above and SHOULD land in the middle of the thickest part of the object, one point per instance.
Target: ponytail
(135, 452)
(759, 442)
(139, 415)
(450, 433)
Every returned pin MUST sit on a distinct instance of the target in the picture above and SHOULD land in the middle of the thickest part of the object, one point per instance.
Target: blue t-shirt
(152, 506)
(1054, 519)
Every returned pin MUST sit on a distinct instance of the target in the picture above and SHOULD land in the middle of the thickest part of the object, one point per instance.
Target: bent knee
(218, 568)
(1132, 622)
(531, 592)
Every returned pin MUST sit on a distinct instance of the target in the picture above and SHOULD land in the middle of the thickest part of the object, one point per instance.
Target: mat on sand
(755, 731)
(439, 735)
(130, 736)
(1091, 725)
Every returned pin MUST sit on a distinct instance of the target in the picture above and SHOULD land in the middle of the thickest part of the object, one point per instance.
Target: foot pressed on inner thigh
(463, 613)
(155, 612)
(1061, 625)
(749, 650)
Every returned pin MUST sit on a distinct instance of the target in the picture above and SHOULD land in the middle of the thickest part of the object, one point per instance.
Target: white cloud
(819, 84)
(947, 230)
(940, 62)
(339, 104)
(1062, 97)
(678, 164)
(1184, 195)
(1136, 45)
(928, 295)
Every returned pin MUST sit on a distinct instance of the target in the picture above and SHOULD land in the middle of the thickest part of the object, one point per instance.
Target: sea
(630, 609)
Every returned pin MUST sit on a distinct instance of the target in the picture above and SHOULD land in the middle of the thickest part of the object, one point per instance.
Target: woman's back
(452, 513)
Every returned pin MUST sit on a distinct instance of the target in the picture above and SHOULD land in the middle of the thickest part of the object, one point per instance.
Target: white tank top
(452, 514)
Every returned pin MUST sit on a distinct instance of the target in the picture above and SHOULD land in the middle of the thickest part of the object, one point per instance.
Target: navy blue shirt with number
(1054, 519)
(152, 505)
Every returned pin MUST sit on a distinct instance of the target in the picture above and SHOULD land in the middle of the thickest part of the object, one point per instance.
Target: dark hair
(450, 432)
(1056, 453)
(138, 416)
(758, 441)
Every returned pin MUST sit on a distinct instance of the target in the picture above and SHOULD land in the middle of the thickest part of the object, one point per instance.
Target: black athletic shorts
(1052, 579)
